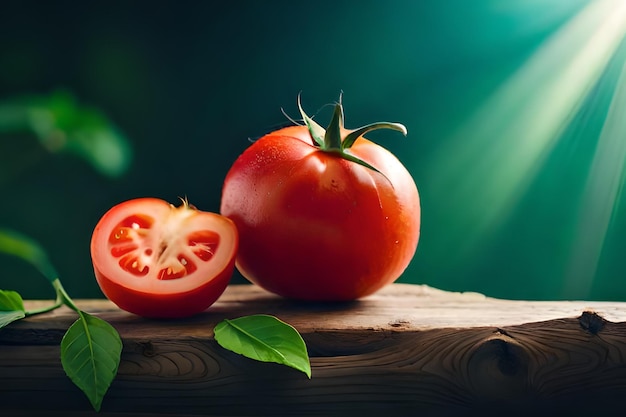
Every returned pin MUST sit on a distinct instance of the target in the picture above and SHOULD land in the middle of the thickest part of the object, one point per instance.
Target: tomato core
(131, 242)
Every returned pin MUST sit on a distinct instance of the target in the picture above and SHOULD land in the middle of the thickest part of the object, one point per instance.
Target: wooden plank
(408, 350)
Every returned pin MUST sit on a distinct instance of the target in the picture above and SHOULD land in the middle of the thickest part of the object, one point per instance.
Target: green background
(517, 201)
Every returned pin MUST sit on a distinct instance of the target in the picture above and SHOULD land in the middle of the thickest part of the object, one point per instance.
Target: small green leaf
(264, 338)
(11, 301)
(90, 355)
(21, 246)
(11, 307)
(7, 317)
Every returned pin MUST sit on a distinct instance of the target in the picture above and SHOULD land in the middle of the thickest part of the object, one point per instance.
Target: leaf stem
(63, 296)
(338, 140)
(58, 303)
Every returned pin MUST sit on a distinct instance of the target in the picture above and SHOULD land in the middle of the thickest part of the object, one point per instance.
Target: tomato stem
(354, 134)
(316, 131)
(333, 139)
(337, 139)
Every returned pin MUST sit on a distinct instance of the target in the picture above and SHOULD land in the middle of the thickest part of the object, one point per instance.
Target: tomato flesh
(157, 260)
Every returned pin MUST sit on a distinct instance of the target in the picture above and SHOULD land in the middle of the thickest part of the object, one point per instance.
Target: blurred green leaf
(63, 125)
(11, 301)
(8, 317)
(25, 248)
(11, 307)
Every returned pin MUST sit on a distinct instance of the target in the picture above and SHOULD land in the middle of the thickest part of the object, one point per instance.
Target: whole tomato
(322, 214)
(157, 260)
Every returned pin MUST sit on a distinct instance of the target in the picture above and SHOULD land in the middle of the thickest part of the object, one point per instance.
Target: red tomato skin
(160, 306)
(157, 305)
(314, 226)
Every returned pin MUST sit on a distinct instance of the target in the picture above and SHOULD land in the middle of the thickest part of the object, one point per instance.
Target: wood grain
(408, 350)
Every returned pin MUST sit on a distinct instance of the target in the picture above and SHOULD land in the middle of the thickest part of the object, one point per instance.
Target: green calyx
(337, 139)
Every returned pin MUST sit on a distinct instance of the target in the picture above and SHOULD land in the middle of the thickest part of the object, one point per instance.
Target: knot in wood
(591, 322)
(147, 349)
(497, 368)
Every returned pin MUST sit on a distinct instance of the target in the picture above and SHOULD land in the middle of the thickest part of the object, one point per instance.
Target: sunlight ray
(486, 166)
(601, 193)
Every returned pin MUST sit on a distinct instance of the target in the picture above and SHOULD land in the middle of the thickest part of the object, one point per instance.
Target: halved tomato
(157, 260)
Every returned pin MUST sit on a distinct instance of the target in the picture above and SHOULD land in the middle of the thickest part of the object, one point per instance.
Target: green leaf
(11, 307)
(21, 246)
(264, 338)
(90, 355)
(11, 301)
(7, 317)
